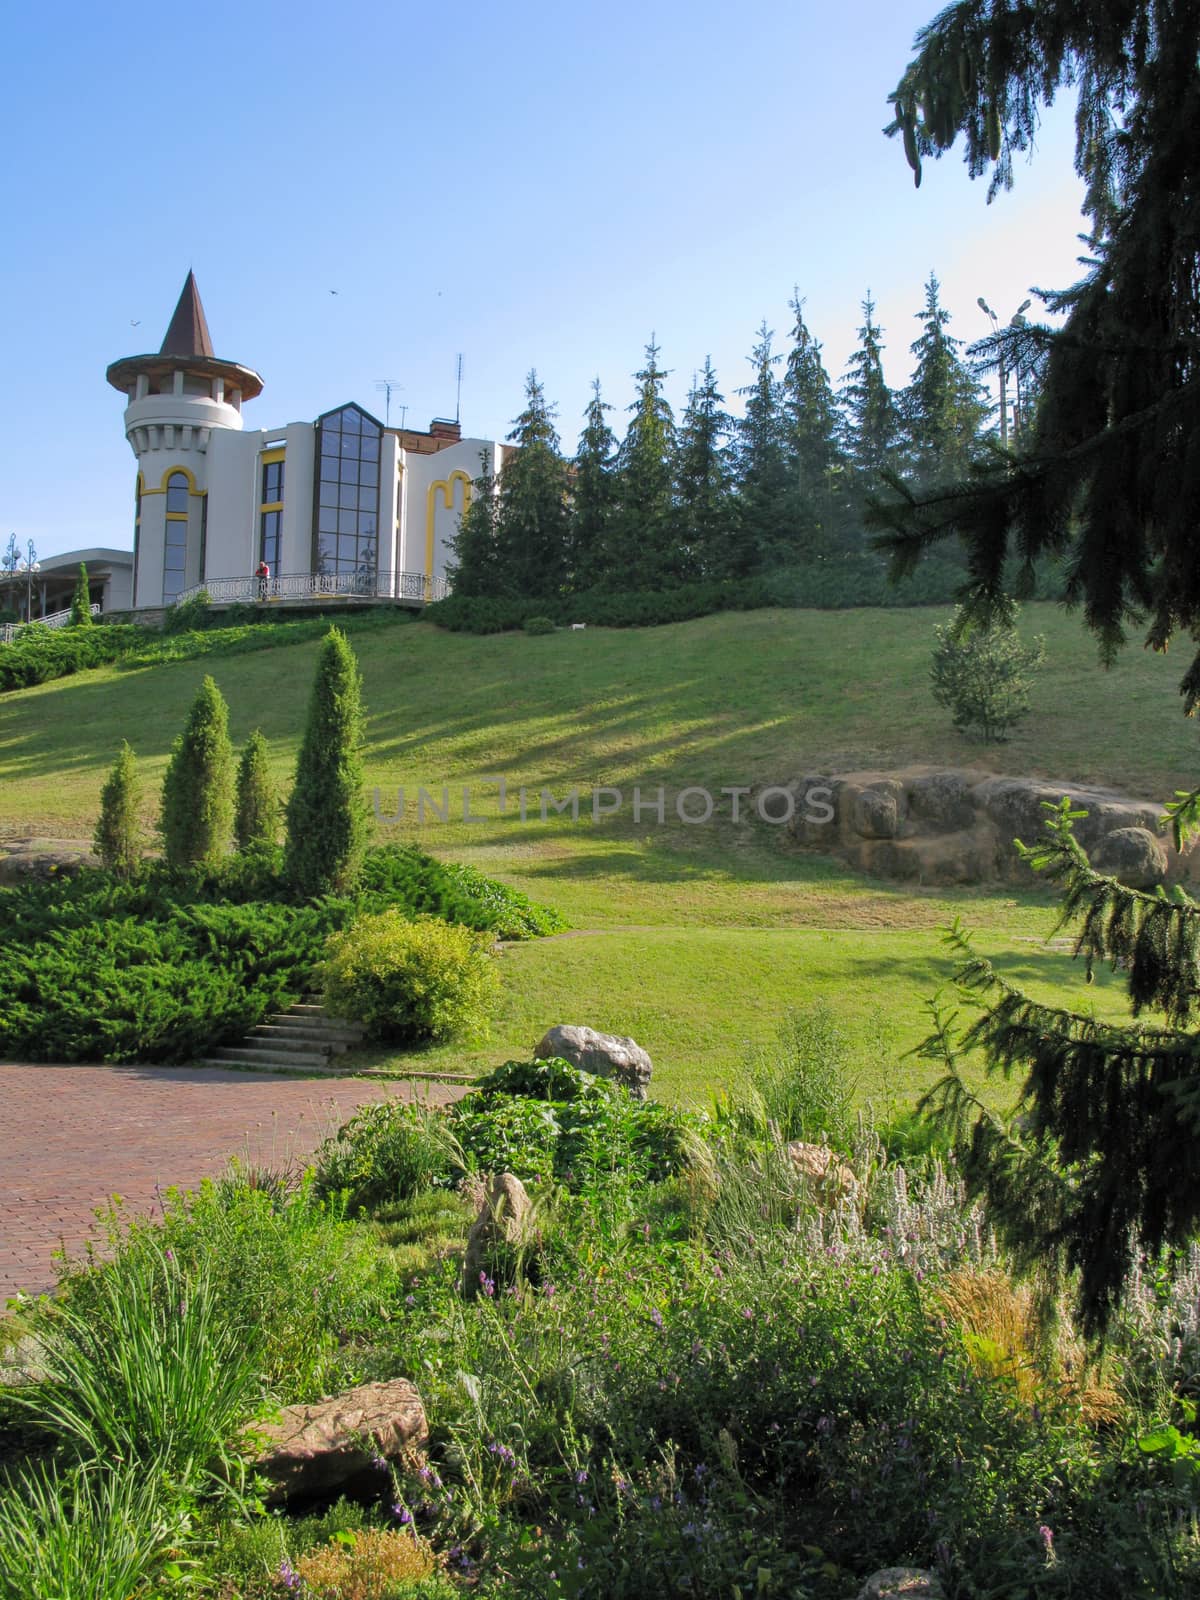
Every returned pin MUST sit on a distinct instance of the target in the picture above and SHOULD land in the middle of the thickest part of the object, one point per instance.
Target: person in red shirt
(263, 573)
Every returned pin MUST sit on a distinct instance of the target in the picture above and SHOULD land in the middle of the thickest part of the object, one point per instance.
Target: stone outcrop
(504, 1224)
(310, 1451)
(607, 1055)
(928, 826)
(38, 860)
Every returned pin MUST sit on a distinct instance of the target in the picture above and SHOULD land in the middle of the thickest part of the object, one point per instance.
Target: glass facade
(346, 509)
(175, 552)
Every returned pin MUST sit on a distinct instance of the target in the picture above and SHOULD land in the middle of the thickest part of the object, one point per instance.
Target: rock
(607, 1055)
(815, 817)
(902, 1583)
(876, 812)
(312, 1450)
(39, 860)
(1133, 855)
(941, 801)
(818, 1162)
(1017, 806)
(503, 1223)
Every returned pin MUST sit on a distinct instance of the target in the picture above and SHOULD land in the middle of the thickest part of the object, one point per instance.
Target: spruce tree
(815, 462)
(643, 551)
(327, 822)
(197, 793)
(944, 408)
(1103, 1162)
(118, 836)
(1108, 472)
(81, 601)
(763, 536)
(594, 495)
(476, 568)
(532, 523)
(256, 808)
(871, 421)
(704, 506)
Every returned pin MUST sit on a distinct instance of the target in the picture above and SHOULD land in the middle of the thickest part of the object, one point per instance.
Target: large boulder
(503, 1227)
(941, 802)
(1133, 855)
(607, 1055)
(875, 811)
(40, 860)
(815, 818)
(313, 1450)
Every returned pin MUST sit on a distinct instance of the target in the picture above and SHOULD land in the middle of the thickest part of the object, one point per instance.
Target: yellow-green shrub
(410, 981)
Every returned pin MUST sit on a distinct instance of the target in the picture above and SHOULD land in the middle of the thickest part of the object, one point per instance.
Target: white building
(339, 506)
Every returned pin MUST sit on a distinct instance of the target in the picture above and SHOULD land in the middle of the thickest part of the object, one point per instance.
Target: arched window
(175, 550)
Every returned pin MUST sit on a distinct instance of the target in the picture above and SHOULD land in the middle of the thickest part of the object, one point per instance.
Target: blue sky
(539, 185)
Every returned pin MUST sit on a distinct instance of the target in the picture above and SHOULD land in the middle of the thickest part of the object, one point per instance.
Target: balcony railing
(414, 586)
(56, 619)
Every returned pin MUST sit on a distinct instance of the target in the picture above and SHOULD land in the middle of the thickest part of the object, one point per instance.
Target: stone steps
(301, 1039)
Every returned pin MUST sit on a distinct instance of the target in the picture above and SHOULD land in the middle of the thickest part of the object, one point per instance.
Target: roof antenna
(387, 385)
(458, 393)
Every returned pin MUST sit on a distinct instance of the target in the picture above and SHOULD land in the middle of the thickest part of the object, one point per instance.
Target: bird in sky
(134, 324)
(333, 291)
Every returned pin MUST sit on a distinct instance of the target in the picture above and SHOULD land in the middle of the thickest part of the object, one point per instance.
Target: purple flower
(581, 1475)
(401, 1513)
(656, 1317)
(488, 1285)
(288, 1575)
(1046, 1535)
(378, 1462)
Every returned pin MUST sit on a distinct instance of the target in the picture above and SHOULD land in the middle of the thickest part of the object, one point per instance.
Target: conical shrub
(327, 823)
(256, 809)
(118, 836)
(197, 796)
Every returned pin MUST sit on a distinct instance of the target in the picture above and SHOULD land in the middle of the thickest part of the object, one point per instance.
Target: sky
(544, 185)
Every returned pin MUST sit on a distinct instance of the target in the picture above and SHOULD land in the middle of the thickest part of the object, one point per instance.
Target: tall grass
(806, 1081)
(150, 1372)
(89, 1535)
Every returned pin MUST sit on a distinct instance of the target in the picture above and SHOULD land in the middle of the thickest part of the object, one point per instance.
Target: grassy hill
(693, 939)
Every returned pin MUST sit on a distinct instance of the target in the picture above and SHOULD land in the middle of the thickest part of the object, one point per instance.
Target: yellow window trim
(268, 456)
(444, 487)
(188, 474)
(272, 505)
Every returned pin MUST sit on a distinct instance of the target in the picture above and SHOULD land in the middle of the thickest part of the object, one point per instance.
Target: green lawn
(692, 939)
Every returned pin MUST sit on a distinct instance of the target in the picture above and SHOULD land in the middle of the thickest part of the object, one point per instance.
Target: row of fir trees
(209, 808)
(711, 496)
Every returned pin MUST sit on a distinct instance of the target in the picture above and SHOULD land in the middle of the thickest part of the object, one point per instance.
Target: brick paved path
(70, 1137)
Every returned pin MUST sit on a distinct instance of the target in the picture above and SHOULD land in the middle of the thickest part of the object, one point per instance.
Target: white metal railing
(316, 585)
(56, 619)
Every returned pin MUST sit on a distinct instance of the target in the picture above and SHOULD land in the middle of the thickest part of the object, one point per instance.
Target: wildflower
(488, 1285)
(748, 1313)
(656, 1317)
(1046, 1535)
(288, 1575)
(410, 1300)
(402, 1514)
(378, 1462)
(581, 1475)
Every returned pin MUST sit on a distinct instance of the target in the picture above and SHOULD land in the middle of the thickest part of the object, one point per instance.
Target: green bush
(538, 625)
(410, 982)
(327, 825)
(166, 965)
(186, 616)
(197, 791)
(256, 807)
(386, 1153)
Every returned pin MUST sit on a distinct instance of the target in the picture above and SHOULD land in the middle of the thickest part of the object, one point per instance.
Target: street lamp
(11, 559)
(30, 566)
(1014, 322)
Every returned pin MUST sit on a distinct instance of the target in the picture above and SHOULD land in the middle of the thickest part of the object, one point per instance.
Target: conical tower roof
(188, 333)
(189, 345)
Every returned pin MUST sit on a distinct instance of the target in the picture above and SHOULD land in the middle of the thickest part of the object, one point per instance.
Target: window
(175, 549)
(346, 496)
(270, 510)
(137, 531)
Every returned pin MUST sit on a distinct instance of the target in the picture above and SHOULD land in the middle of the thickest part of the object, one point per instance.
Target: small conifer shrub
(327, 823)
(118, 836)
(256, 810)
(197, 796)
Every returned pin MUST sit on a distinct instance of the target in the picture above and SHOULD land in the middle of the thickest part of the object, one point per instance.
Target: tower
(175, 400)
